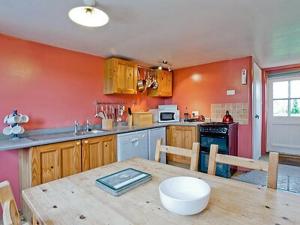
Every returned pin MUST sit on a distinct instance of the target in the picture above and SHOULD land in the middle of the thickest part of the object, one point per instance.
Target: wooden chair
(270, 167)
(11, 214)
(193, 154)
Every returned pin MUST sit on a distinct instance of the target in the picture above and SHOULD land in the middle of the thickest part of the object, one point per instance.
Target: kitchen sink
(63, 135)
(50, 136)
(94, 131)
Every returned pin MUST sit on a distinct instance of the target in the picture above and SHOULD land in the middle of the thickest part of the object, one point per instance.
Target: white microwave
(165, 116)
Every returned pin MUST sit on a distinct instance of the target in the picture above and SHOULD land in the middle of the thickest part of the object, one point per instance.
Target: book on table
(122, 181)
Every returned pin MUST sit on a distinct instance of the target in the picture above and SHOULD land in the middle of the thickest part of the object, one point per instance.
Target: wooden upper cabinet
(183, 137)
(54, 161)
(98, 151)
(164, 79)
(120, 76)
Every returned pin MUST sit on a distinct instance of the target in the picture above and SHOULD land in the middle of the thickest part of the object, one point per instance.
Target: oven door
(167, 116)
(218, 139)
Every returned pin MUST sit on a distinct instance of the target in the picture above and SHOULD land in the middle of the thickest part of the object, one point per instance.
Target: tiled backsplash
(239, 112)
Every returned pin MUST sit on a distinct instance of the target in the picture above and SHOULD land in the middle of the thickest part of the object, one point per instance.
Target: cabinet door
(70, 158)
(120, 76)
(183, 137)
(45, 164)
(130, 81)
(98, 151)
(51, 162)
(168, 84)
(164, 79)
(176, 139)
(109, 150)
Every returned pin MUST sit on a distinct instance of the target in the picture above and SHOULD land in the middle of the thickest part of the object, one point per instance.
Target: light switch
(230, 92)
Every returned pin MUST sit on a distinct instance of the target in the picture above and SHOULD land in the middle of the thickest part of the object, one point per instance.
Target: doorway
(283, 110)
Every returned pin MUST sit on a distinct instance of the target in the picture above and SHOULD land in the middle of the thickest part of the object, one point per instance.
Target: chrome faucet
(76, 127)
(87, 126)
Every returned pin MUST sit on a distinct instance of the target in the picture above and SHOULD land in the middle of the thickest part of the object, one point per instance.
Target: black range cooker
(225, 135)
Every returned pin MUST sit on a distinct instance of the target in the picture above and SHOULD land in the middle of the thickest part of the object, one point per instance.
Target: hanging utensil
(140, 83)
(154, 83)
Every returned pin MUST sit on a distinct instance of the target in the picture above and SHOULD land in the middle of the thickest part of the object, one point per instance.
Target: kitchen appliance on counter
(225, 135)
(227, 118)
(168, 113)
(154, 113)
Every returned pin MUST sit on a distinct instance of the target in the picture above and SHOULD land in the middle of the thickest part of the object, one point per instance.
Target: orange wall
(54, 87)
(210, 88)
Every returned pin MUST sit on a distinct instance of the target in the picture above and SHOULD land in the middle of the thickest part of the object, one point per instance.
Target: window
(286, 98)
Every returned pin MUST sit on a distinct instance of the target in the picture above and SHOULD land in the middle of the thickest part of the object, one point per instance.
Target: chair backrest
(270, 167)
(10, 211)
(192, 153)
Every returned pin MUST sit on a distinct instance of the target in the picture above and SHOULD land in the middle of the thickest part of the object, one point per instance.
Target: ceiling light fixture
(88, 15)
(165, 65)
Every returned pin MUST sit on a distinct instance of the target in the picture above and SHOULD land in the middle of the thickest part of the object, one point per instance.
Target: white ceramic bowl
(184, 195)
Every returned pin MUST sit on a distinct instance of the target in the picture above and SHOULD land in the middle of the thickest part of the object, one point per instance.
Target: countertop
(50, 136)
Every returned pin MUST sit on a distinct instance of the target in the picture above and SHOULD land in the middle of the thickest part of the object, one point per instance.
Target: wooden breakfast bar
(76, 200)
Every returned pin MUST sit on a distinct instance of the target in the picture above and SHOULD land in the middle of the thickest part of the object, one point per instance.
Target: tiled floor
(288, 177)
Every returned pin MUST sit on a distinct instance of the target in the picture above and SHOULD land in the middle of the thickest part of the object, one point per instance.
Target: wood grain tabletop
(76, 200)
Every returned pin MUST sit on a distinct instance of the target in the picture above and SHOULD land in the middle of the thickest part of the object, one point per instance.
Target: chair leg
(273, 170)
(195, 156)
(157, 151)
(212, 159)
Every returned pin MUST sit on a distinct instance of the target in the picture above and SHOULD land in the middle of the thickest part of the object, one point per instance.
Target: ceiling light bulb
(88, 16)
(160, 67)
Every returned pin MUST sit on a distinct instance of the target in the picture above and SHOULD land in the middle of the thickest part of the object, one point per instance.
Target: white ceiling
(185, 32)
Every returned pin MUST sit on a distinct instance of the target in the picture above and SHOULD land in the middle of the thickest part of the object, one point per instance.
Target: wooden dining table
(76, 200)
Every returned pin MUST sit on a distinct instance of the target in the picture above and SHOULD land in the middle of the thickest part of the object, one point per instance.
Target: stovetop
(216, 124)
(215, 127)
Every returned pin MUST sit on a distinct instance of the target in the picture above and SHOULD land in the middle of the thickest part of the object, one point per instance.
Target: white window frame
(278, 78)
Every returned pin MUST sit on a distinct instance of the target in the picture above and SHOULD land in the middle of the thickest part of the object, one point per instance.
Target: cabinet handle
(134, 140)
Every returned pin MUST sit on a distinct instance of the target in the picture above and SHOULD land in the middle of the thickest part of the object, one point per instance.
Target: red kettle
(227, 118)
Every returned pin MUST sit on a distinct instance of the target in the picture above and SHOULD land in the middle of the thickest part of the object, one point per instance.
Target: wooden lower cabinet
(183, 137)
(54, 161)
(51, 162)
(98, 151)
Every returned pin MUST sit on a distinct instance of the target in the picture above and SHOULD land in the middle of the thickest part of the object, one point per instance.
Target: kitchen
(55, 86)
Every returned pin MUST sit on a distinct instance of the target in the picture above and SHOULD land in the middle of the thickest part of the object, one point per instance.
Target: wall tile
(239, 112)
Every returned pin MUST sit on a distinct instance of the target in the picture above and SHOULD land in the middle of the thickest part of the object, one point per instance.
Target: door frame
(256, 153)
(283, 76)
(266, 72)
